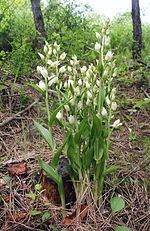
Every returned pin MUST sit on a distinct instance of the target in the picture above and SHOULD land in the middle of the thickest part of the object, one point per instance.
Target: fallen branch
(9, 119)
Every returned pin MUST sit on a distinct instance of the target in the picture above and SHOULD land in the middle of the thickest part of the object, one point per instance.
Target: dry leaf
(17, 169)
(19, 216)
(72, 219)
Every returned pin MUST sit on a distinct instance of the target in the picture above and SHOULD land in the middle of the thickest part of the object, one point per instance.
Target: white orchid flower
(41, 56)
(97, 46)
(114, 106)
(62, 69)
(98, 36)
(104, 112)
(41, 85)
(63, 56)
(116, 123)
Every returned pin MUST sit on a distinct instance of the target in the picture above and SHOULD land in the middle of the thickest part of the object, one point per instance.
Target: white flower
(80, 105)
(71, 119)
(97, 46)
(44, 72)
(69, 68)
(80, 82)
(98, 82)
(75, 71)
(103, 31)
(107, 100)
(115, 74)
(105, 73)
(89, 95)
(107, 41)
(62, 69)
(70, 82)
(65, 84)
(88, 73)
(49, 50)
(54, 51)
(87, 85)
(114, 106)
(39, 69)
(63, 56)
(49, 62)
(45, 48)
(55, 64)
(113, 92)
(104, 112)
(83, 69)
(57, 47)
(59, 115)
(52, 79)
(41, 85)
(98, 36)
(77, 91)
(41, 56)
(116, 124)
(109, 56)
(88, 102)
(67, 108)
(71, 62)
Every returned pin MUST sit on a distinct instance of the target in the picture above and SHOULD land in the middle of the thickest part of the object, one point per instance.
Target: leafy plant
(87, 99)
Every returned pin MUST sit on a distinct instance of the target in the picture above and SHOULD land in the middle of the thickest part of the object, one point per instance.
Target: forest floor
(21, 146)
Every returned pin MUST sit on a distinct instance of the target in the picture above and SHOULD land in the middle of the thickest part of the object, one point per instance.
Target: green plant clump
(85, 113)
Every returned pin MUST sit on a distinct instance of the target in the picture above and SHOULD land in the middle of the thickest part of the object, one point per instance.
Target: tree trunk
(137, 30)
(39, 24)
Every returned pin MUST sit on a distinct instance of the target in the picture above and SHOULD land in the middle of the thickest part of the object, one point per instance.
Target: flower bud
(41, 56)
(114, 106)
(80, 82)
(59, 115)
(62, 69)
(83, 69)
(87, 85)
(98, 36)
(41, 85)
(89, 95)
(104, 112)
(49, 62)
(116, 124)
(54, 51)
(97, 46)
(109, 56)
(77, 91)
(71, 119)
(63, 56)
(107, 100)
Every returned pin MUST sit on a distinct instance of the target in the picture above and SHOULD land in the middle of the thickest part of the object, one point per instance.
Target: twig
(146, 94)
(9, 119)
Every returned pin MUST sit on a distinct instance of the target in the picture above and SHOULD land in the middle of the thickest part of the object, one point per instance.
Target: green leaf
(117, 204)
(54, 162)
(53, 115)
(47, 135)
(31, 196)
(46, 216)
(82, 128)
(37, 88)
(50, 171)
(122, 228)
(111, 169)
(35, 212)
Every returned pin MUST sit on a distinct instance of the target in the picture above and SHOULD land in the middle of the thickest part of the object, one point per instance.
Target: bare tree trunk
(39, 23)
(137, 30)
